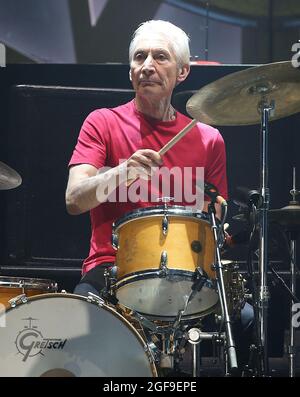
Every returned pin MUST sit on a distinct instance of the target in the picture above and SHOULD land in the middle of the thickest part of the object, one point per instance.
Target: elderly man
(127, 140)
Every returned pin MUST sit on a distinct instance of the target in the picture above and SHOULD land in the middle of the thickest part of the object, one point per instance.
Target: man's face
(154, 70)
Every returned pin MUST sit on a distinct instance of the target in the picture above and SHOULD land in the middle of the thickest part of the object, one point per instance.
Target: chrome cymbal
(9, 178)
(235, 99)
(286, 216)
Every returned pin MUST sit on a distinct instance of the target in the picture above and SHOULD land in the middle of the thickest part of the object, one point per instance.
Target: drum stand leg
(266, 109)
(195, 336)
(294, 299)
(291, 351)
(230, 345)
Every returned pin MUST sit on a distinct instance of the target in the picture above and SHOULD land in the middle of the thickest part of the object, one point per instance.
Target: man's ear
(183, 73)
(130, 77)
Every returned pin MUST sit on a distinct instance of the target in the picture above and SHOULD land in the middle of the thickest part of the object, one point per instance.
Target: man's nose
(148, 64)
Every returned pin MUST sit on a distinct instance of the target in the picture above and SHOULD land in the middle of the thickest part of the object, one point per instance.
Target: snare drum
(11, 287)
(158, 250)
(70, 335)
(235, 288)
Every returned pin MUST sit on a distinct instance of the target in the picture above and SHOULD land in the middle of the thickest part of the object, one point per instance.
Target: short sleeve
(91, 147)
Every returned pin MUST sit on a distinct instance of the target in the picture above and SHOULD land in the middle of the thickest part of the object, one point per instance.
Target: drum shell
(11, 287)
(141, 242)
(159, 250)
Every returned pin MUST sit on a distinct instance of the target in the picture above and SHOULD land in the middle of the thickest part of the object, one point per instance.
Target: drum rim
(149, 273)
(104, 306)
(137, 276)
(185, 318)
(160, 210)
(27, 283)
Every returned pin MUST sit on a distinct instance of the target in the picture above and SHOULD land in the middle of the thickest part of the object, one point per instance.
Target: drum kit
(168, 276)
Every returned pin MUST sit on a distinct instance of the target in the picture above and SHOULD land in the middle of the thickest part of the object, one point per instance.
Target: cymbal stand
(229, 341)
(263, 292)
(294, 299)
(293, 234)
(291, 351)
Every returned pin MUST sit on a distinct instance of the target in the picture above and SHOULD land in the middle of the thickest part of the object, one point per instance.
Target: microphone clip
(199, 279)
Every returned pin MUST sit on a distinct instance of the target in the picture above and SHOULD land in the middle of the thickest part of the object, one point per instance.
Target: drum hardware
(235, 288)
(194, 336)
(145, 322)
(254, 92)
(165, 220)
(167, 352)
(289, 218)
(9, 178)
(93, 298)
(17, 300)
(114, 241)
(163, 269)
(230, 351)
(165, 225)
(250, 369)
(107, 293)
(199, 280)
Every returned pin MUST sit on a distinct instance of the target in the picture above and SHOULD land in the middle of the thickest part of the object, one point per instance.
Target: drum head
(66, 335)
(162, 298)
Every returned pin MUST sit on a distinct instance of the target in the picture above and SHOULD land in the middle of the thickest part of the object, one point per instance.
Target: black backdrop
(42, 109)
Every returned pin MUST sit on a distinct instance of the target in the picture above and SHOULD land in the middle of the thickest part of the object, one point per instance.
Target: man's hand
(141, 164)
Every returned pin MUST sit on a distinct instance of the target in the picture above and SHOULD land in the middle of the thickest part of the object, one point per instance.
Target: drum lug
(165, 225)
(18, 299)
(115, 241)
(163, 264)
(93, 298)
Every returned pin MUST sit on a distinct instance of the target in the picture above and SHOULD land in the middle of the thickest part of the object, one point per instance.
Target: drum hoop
(174, 211)
(187, 317)
(27, 283)
(103, 306)
(148, 274)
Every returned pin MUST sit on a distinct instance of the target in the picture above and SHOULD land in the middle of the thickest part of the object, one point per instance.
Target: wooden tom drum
(158, 251)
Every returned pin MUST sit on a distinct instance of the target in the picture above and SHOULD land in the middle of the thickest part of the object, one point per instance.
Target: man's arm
(81, 189)
(87, 188)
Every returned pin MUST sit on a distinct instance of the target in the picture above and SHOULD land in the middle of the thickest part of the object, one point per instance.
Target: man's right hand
(141, 164)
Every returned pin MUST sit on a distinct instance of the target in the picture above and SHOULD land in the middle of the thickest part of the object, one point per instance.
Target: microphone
(246, 197)
(211, 191)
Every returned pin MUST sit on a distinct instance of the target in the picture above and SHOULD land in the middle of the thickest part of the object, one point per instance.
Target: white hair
(176, 38)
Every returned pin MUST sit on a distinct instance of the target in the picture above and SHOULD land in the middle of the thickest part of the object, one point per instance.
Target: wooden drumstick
(171, 143)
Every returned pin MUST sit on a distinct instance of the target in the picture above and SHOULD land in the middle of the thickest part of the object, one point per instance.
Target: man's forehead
(153, 42)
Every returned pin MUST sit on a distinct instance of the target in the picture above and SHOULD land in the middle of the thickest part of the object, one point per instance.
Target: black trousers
(93, 281)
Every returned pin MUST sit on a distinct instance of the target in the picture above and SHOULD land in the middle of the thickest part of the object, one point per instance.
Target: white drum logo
(31, 342)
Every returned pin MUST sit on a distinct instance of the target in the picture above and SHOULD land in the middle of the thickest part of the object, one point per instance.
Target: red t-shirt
(110, 135)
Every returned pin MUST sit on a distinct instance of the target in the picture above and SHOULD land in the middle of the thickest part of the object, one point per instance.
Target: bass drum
(69, 335)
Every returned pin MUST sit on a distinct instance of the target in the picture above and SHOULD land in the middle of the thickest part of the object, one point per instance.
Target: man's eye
(161, 57)
(139, 56)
